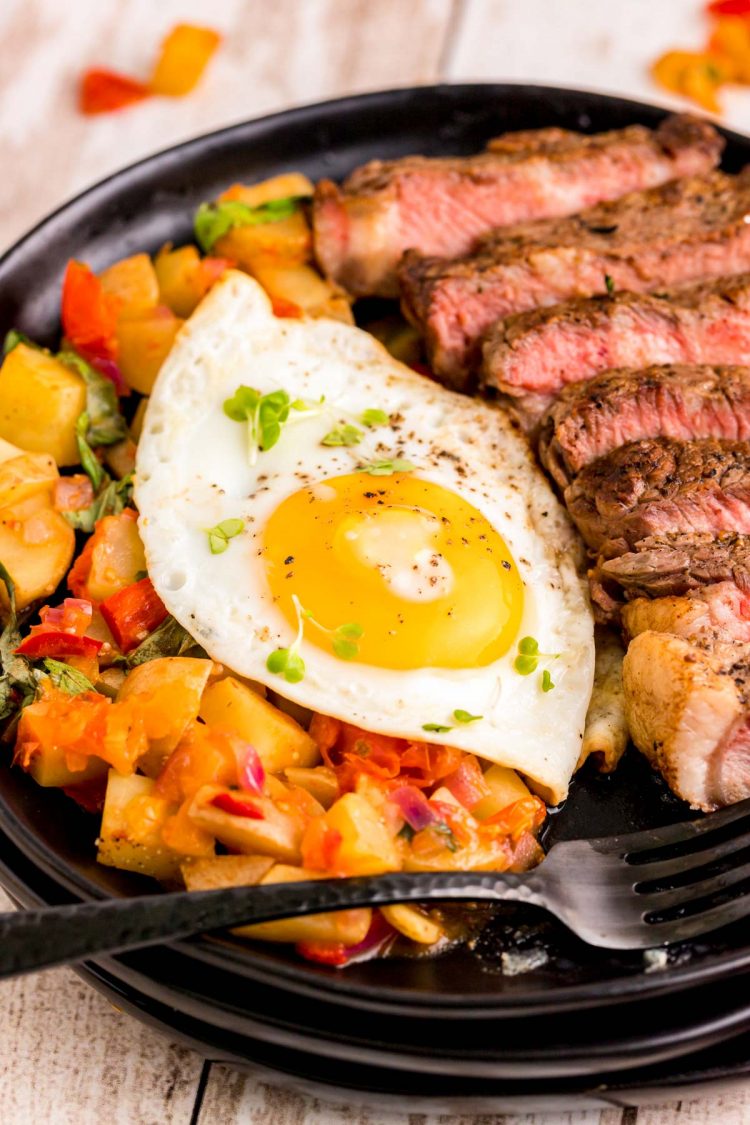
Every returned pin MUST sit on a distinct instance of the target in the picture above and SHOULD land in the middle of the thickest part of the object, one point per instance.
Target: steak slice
(533, 355)
(689, 230)
(440, 205)
(690, 716)
(659, 485)
(591, 419)
(678, 563)
(710, 616)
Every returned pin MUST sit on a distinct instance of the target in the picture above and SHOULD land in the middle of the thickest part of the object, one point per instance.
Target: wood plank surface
(69, 1057)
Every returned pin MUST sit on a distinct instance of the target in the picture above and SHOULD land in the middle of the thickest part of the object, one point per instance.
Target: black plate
(152, 202)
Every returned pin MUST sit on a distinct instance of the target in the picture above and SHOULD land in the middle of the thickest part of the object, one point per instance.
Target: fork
(636, 891)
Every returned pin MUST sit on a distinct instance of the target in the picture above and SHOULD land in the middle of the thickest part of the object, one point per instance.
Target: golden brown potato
(302, 286)
(505, 787)
(212, 872)
(136, 426)
(276, 187)
(320, 782)
(606, 733)
(144, 341)
(413, 923)
(346, 926)
(285, 242)
(36, 547)
(25, 476)
(168, 691)
(279, 740)
(133, 282)
(130, 835)
(366, 847)
(40, 402)
(276, 834)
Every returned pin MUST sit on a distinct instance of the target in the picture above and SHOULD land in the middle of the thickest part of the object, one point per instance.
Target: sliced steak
(440, 206)
(533, 355)
(690, 718)
(689, 230)
(660, 485)
(709, 616)
(591, 419)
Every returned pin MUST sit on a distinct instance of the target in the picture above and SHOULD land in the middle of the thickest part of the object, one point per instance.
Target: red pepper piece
(728, 8)
(132, 613)
(236, 806)
(333, 953)
(58, 644)
(89, 315)
(284, 308)
(103, 91)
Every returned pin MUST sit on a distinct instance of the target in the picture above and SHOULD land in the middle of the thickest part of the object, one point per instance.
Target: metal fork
(637, 891)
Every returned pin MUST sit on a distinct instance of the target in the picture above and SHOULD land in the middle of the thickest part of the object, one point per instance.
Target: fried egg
(395, 539)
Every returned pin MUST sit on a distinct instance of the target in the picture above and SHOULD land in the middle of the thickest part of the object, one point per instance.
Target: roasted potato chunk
(279, 740)
(40, 402)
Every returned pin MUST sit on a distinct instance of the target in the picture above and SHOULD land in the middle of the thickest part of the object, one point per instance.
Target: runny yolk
(418, 568)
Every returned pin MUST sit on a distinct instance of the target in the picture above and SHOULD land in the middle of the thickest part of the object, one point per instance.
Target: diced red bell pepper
(283, 308)
(336, 953)
(48, 643)
(89, 315)
(325, 953)
(236, 806)
(728, 8)
(133, 613)
(102, 91)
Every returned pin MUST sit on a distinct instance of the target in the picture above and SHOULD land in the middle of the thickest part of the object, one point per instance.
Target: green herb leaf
(18, 685)
(466, 717)
(343, 435)
(106, 424)
(352, 631)
(67, 679)
(528, 646)
(525, 665)
(437, 728)
(406, 832)
(547, 684)
(374, 417)
(387, 468)
(170, 639)
(609, 284)
(214, 220)
(265, 415)
(242, 404)
(288, 663)
(13, 338)
(345, 650)
(219, 536)
(90, 464)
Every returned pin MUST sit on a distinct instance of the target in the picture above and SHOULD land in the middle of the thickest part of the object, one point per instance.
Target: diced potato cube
(300, 284)
(49, 768)
(36, 547)
(7, 451)
(185, 277)
(506, 787)
(144, 342)
(366, 846)
(225, 871)
(320, 782)
(40, 402)
(282, 242)
(168, 692)
(26, 475)
(412, 923)
(133, 282)
(346, 926)
(277, 187)
(276, 834)
(279, 740)
(130, 836)
(117, 556)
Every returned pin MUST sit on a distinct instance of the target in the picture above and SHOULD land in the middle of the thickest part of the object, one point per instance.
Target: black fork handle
(60, 935)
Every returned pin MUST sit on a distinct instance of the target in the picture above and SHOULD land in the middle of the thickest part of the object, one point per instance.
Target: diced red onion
(414, 807)
(379, 933)
(250, 772)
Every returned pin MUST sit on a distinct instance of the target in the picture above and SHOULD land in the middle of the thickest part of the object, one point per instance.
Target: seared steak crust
(533, 355)
(440, 206)
(659, 485)
(688, 230)
(675, 564)
(591, 419)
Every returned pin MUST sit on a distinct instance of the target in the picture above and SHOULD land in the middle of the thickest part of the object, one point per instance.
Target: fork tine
(692, 892)
(682, 929)
(635, 843)
(684, 864)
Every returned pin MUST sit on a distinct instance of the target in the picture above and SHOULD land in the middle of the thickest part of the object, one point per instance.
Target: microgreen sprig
(345, 434)
(386, 468)
(466, 716)
(374, 417)
(287, 662)
(459, 715)
(219, 536)
(436, 728)
(527, 661)
(343, 639)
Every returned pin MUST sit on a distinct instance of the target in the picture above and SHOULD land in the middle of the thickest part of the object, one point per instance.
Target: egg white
(193, 472)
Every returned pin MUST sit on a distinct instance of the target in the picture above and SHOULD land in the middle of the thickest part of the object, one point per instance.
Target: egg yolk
(423, 574)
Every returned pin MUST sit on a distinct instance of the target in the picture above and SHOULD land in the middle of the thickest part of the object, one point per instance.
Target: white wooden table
(67, 1055)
